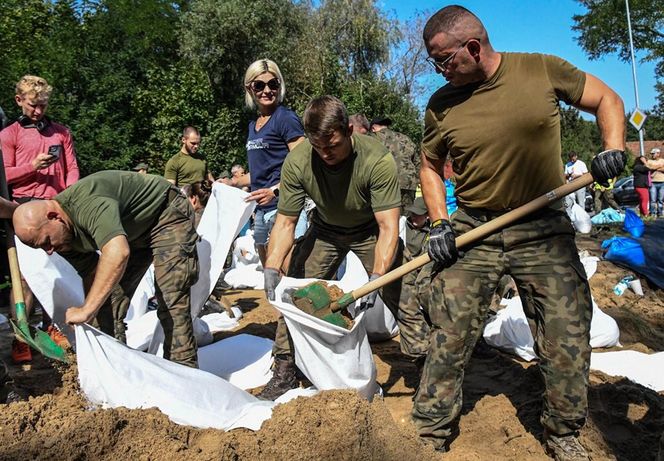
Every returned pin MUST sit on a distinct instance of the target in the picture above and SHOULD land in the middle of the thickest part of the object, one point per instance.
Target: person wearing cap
(656, 166)
(141, 168)
(406, 155)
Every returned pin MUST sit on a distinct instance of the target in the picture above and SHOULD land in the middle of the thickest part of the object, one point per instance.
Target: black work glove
(607, 165)
(442, 245)
(271, 277)
(368, 301)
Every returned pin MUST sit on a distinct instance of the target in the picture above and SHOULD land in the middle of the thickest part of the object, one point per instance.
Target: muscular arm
(110, 269)
(386, 246)
(433, 189)
(609, 110)
(281, 240)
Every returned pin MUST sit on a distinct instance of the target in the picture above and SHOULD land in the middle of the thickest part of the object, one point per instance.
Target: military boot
(283, 378)
(564, 447)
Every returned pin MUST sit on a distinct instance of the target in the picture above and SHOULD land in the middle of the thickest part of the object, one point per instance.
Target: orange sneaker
(21, 352)
(57, 337)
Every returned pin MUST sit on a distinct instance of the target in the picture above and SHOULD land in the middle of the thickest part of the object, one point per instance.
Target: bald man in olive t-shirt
(498, 120)
(135, 220)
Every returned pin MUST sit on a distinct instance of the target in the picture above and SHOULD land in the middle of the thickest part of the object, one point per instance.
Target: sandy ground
(500, 418)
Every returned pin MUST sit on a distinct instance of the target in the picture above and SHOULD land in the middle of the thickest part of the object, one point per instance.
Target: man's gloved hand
(368, 301)
(442, 245)
(607, 165)
(272, 277)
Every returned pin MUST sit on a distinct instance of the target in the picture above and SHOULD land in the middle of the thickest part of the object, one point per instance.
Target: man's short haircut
(452, 17)
(189, 130)
(359, 120)
(235, 168)
(254, 70)
(32, 86)
(571, 154)
(325, 115)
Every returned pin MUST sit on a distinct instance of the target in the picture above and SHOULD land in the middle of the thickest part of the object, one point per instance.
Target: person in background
(602, 194)
(40, 162)
(188, 165)
(576, 168)
(656, 165)
(141, 168)
(406, 155)
(275, 132)
(238, 171)
(198, 194)
(359, 123)
(641, 174)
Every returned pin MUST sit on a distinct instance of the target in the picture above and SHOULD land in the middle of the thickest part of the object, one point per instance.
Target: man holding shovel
(134, 220)
(498, 120)
(353, 180)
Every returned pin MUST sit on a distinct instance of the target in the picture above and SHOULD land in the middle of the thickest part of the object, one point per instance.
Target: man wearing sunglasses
(498, 120)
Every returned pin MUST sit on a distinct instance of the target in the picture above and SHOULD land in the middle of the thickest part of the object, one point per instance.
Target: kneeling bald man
(134, 220)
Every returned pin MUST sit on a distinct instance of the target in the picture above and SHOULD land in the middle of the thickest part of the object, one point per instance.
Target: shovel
(315, 299)
(34, 337)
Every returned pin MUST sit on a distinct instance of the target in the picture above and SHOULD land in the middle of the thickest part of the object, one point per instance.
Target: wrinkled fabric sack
(378, 321)
(608, 216)
(624, 250)
(579, 217)
(633, 224)
(644, 369)
(331, 357)
(112, 375)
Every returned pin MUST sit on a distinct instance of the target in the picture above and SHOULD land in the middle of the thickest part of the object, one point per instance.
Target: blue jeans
(657, 199)
(264, 220)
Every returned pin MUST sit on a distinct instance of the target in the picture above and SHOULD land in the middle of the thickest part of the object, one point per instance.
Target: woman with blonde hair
(275, 132)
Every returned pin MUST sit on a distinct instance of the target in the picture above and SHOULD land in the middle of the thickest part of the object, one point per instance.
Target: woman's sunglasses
(258, 85)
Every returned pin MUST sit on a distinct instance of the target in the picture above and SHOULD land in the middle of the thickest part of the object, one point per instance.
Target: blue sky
(542, 26)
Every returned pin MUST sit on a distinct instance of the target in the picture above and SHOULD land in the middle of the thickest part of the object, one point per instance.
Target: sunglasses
(258, 85)
(441, 66)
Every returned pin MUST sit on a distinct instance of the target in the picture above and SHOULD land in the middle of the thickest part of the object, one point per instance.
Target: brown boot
(565, 447)
(283, 378)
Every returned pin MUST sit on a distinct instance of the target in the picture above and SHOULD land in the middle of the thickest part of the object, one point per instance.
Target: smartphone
(55, 151)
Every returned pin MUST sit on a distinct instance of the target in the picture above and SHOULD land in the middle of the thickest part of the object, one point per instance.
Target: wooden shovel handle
(474, 235)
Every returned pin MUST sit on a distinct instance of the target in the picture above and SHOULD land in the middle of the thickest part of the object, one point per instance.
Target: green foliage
(578, 135)
(603, 30)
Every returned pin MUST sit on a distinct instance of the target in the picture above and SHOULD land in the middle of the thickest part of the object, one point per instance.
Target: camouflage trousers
(541, 256)
(173, 252)
(315, 257)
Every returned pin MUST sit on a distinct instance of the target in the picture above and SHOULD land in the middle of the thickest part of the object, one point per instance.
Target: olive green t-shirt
(186, 169)
(503, 135)
(111, 203)
(347, 196)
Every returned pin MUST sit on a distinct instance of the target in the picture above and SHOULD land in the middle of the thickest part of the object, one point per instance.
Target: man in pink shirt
(39, 163)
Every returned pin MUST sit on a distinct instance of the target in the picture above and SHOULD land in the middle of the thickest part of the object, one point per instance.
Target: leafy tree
(603, 30)
(578, 135)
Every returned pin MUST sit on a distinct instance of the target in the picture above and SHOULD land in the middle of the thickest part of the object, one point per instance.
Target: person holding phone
(40, 162)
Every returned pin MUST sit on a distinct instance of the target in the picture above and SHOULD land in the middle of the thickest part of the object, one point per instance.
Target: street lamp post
(636, 86)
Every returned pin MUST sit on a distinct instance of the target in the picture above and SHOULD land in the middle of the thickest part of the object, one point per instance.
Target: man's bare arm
(433, 189)
(388, 235)
(281, 240)
(608, 108)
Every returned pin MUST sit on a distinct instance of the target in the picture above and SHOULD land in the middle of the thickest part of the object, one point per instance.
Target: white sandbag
(509, 330)
(4, 322)
(378, 321)
(225, 214)
(245, 276)
(244, 251)
(403, 224)
(330, 356)
(644, 369)
(113, 375)
(140, 330)
(138, 305)
(244, 360)
(579, 217)
(53, 281)
(221, 321)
